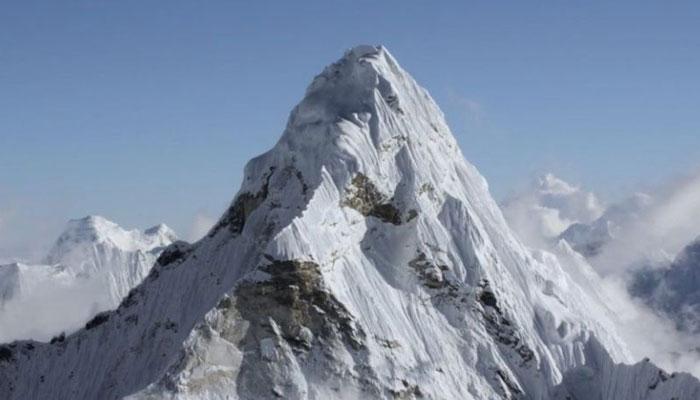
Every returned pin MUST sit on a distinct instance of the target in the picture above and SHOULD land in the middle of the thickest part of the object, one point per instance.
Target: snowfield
(363, 258)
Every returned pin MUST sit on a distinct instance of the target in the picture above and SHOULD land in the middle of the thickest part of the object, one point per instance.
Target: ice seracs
(91, 268)
(363, 257)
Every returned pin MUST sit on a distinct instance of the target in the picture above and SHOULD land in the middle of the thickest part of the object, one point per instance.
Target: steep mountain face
(91, 268)
(673, 290)
(363, 257)
(541, 212)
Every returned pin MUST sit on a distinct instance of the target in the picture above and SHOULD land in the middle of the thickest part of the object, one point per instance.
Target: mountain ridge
(363, 257)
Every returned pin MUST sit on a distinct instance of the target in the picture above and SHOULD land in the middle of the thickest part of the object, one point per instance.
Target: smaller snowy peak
(90, 225)
(161, 234)
(97, 230)
(93, 264)
(547, 207)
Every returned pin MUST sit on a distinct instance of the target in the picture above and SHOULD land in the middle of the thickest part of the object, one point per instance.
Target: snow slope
(363, 257)
(91, 268)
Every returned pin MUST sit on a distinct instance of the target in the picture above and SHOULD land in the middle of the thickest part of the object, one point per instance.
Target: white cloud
(42, 314)
(201, 224)
(649, 335)
(547, 207)
(669, 224)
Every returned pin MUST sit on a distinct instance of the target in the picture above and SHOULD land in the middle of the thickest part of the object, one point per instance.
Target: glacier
(363, 257)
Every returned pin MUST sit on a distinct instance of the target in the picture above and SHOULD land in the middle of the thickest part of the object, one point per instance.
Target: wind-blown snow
(363, 257)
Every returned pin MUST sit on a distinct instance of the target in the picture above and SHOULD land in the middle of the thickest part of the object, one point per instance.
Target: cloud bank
(660, 231)
(640, 231)
(201, 224)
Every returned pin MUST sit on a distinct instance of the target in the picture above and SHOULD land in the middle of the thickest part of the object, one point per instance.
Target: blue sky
(146, 111)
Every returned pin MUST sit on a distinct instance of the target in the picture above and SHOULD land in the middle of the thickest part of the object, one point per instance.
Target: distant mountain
(590, 238)
(670, 287)
(91, 268)
(362, 258)
(94, 247)
(673, 289)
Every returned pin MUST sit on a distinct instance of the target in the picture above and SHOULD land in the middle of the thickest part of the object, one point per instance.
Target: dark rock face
(58, 339)
(6, 354)
(499, 326)
(508, 382)
(407, 392)
(430, 274)
(294, 298)
(370, 202)
(293, 307)
(244, 205)
(98, 320)
(177, 251)
(487, 298)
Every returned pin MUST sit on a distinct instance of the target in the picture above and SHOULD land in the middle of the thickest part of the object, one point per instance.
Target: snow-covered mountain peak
(361, 68)
(365, 88)
(363, 257)
(91, 267)
(368, 185)
(96, 230)
(90, 227)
